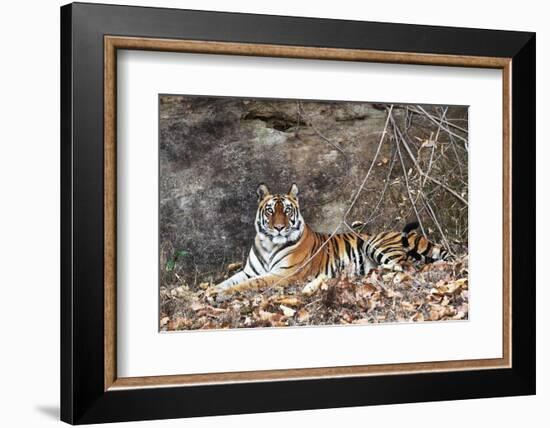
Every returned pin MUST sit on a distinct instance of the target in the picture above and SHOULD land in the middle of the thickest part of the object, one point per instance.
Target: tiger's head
(278, 218)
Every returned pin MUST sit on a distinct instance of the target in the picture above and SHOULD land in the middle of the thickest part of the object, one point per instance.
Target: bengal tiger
(286, 250)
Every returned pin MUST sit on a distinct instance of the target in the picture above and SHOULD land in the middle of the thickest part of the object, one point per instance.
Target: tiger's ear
(262, 191)
(293, 191)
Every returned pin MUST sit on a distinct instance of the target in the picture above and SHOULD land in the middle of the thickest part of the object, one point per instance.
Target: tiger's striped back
(357, 253)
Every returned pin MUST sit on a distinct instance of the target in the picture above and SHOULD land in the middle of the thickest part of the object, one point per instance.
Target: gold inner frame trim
(113, 43)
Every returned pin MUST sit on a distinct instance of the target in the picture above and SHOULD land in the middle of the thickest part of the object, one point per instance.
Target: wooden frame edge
(301, 52)
(112, 43)
(299, 374)
(507, 213)
(109, 198)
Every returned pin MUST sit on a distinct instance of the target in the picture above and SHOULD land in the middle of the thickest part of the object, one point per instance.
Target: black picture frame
(83, 398)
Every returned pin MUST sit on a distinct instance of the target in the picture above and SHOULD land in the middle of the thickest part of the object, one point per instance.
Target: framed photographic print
(265, 213)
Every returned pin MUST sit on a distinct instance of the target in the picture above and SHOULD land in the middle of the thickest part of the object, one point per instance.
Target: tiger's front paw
(220, 293)
(393, 267)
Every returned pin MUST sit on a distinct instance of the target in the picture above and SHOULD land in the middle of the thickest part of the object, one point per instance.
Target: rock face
(215, 151)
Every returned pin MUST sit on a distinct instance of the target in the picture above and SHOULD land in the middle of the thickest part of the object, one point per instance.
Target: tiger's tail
(409, 227)
(420, 248)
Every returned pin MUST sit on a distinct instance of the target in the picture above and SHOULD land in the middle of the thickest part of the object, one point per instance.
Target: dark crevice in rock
(275, 121)
(351, 118)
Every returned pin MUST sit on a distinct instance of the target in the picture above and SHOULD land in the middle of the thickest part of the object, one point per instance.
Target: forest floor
(431, 292)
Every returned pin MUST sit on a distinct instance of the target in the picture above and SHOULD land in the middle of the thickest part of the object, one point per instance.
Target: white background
(265, 349)
(29, 218)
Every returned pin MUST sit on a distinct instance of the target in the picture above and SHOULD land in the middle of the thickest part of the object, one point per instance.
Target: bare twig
(453, 145)
(429, 164)
(308, 121)
(386, 184)
(436, 222)
(439, 122)
(421, 172)
(382, 137)
(407, 180)
(302, 117)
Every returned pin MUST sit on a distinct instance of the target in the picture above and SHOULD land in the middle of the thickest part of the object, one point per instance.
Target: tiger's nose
(278, 227)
